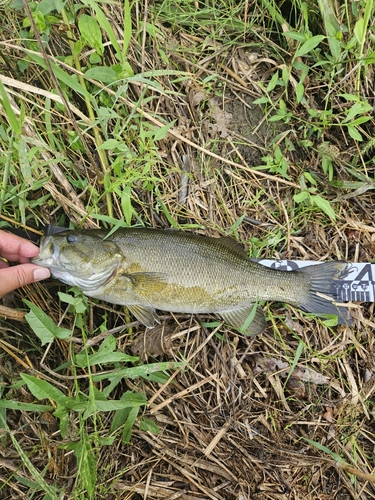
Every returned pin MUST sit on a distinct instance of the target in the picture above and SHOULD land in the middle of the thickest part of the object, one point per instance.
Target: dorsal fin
(233, 245)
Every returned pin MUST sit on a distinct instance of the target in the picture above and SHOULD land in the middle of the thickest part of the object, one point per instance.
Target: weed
(100, 126)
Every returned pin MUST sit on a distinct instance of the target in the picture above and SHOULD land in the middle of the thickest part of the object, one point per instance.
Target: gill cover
(79, 258)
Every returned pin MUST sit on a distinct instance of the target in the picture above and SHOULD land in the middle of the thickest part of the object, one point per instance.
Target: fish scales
(148, 269)
(207, 266)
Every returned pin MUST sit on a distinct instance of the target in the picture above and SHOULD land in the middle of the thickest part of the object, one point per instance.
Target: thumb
(16, 276)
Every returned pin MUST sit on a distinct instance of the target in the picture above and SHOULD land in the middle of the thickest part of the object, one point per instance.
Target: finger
(17, 276)
(16, 249)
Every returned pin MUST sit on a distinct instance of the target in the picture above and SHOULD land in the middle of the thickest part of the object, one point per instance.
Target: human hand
(16, 249)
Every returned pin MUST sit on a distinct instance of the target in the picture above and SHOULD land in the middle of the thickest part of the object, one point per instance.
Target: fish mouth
(48, 253)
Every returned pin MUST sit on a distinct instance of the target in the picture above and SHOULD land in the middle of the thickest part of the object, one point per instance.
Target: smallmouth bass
(147, 269)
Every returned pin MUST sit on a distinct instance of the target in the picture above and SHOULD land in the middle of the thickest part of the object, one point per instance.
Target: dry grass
(239, 421)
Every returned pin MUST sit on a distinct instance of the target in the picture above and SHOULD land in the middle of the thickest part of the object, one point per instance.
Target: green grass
(114, 115)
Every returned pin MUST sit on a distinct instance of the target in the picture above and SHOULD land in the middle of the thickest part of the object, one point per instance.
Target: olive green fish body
(148, 269)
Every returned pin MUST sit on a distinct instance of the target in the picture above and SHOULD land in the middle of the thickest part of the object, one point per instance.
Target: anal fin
(146, 315)
(238, 318)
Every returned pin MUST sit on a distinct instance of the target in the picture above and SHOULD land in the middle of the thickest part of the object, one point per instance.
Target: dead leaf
(328, 415)
(153, 342)
(272, 365)
(221, 118)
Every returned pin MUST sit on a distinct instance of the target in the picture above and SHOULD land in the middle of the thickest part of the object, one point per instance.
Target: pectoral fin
(146, 315)
(146, 281)
(239, 319)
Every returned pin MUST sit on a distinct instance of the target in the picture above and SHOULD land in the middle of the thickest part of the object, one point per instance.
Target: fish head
(79, 258)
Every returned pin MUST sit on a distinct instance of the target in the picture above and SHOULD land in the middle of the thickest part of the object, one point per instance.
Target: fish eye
(71, 238)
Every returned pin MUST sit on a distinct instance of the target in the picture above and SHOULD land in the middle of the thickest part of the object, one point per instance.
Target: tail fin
(322, 278)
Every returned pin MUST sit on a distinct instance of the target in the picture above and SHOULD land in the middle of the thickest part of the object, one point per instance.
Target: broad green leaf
(310, 178)
(359, 30)
(300, 66)
(78, 304)
(86, 463)
(18, 405)
(42, 389)
(62, 414)
(95, 59)
(105, 25)
(90, 409)
(121, 415)
(332, 31)
(285, 75)
(273, 82)
(61, 75)
(104, 358)
(328, 14)
(90, 31)
(43, 326)
(162, 132)
(324, 205)
(261, 100)
(276, 118)
(349, 97)
(127, 70)
(360, 120)
(97, 394)
(302, 196)
(358, 108)
(143, 371)
(117, 405)
(294, 35)
(300, 89)
(331, 321)
(40, 21)
(107, 114)
(109, 344)
(335, 46)
(353, 132)
(106, 440)
(158, 377)
(102, 74)
(46, 7)
(128, 425)
(126, 204)
(59, 5)
(309, 45)
(149, 425)
(109, 144)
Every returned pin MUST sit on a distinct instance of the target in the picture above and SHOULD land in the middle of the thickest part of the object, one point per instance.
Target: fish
(147, 269)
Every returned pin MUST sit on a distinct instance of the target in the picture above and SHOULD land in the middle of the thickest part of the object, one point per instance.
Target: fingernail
(41, 273)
